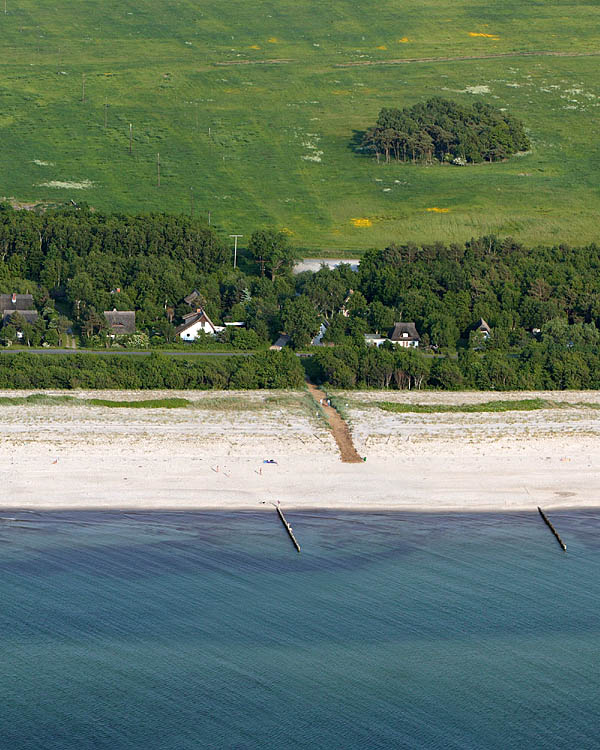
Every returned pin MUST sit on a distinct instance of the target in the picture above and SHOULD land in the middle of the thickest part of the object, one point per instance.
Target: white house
(405, 335)
(402, 334)
(374, 339)
(318, 339)
(195, 323)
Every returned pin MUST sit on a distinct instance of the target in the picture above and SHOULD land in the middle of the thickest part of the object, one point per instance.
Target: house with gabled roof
(17, 303)
(120, 322)
(195, 323)
(282, 341)
(192, 297)
(483, 328)
(404, 334)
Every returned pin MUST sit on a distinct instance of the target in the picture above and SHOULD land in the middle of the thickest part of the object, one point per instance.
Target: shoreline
(211, 457)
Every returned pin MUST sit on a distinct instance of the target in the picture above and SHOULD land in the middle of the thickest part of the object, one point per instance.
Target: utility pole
(130, 136)
(235, 236)
(157, 170)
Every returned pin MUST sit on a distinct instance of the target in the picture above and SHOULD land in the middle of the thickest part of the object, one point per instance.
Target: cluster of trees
(542, 304)
(65, 371)
(517, 290)
(444, 130)
(78, 263)
(550, 364)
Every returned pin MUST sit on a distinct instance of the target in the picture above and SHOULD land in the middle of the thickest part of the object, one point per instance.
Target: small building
(318, 339)
(13, 302)
(282, 341)
(195, 323)
(374, 339)
(404, 334)
(30, 316)
(344, 308)
(192, 297)
(483, 328)
(120, 322)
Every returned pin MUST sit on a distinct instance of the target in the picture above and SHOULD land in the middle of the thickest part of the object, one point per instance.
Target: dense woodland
(445, 131)
(542, 305)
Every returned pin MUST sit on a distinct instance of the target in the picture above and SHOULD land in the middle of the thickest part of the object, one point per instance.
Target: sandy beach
(211, 454)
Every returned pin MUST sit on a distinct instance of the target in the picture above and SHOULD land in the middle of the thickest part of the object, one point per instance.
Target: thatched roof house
(30, 316)
(18, 302)
(120, 321)
(404, 334)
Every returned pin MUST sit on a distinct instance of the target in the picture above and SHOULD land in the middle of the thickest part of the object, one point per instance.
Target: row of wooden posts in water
(288, 528)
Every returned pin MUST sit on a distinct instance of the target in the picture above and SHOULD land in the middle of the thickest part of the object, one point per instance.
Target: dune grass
(530, 404)
(42, 399)
(253, 116)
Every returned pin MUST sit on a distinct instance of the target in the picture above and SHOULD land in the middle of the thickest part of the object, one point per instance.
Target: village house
(404, 334)
(18, 303)
(192, 297)
(120, 322)
(282, 341)
(483, 328)
(318, 339)
(374, 339)
(195, 323)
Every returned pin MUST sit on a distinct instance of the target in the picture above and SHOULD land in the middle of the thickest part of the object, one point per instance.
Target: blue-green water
(207, 630)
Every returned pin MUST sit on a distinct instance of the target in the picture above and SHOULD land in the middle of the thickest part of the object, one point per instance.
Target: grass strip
(531, 404)
(42, 399)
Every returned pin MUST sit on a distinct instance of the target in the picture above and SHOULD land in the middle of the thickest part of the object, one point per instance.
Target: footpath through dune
(339, 428)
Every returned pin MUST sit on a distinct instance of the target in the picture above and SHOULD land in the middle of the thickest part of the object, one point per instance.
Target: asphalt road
(123, 352)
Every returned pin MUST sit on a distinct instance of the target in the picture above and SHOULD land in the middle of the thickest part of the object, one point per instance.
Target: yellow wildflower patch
(287, 231)
(486, 36)
(437, 210)
(382, 46)
(403, 40)
(254, 46)
(341, 92)
(361, 222)
(272, 40)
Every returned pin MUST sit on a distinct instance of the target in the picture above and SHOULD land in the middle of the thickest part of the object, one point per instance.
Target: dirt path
(339, 428)
(408, 60)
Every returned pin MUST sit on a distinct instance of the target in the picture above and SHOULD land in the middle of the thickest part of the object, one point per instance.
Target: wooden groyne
(288, 527)
(552, 529)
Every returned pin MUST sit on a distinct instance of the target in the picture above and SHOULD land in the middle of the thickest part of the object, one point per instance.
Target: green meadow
(253, 107)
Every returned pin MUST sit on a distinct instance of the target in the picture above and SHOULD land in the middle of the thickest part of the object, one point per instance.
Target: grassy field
(283, 87)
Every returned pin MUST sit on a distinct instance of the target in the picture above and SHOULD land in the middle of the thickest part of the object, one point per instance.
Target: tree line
(442, 130)
(154, 371)
(542, 303)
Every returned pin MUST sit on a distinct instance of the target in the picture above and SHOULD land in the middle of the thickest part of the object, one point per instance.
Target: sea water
(208, 630)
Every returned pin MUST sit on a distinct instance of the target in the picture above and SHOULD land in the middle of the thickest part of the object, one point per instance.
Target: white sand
(96, 457)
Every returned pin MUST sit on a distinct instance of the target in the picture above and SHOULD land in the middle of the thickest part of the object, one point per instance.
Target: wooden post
(552, 529)
(288, 528)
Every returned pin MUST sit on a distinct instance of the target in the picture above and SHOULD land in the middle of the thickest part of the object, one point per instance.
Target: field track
(406, 61)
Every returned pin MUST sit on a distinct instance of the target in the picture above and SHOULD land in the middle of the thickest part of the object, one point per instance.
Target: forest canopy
(445, 131)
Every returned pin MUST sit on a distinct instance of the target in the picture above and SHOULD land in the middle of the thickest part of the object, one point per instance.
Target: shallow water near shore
(208, 630)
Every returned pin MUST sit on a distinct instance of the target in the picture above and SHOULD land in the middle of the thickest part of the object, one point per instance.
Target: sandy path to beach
(211, 455)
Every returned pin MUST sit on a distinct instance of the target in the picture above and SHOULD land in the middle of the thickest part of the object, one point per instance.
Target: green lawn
(165, 68)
